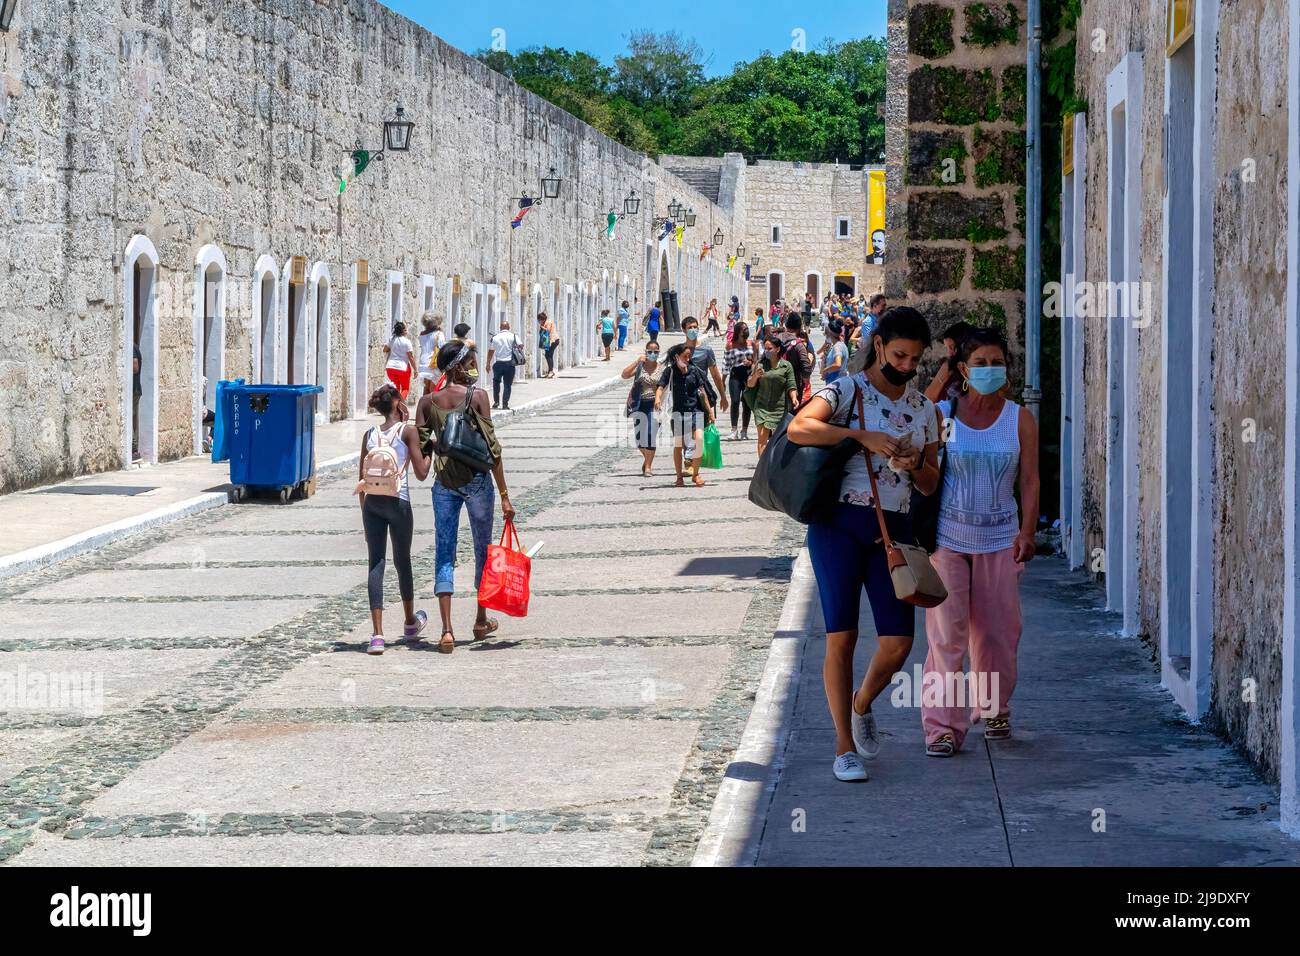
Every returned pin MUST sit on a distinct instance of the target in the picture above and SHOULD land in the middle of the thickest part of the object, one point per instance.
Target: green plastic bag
(712, 447)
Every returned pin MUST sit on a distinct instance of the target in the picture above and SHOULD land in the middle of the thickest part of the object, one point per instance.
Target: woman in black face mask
(901, 434)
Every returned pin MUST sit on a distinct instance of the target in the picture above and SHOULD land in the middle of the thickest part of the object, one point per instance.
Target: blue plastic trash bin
(222, 415)
(271, 437)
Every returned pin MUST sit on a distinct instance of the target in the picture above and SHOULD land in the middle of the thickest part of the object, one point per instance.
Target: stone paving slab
(203, 582)
(669, 515)
(1173, 793)
(89, 683)
(268, 549)
(751, 536)
(146, 620)
(632, 572)
(695, 614)
(607, 848)
(32, 746)
(660, 489)
(624, 765)
(652, 678)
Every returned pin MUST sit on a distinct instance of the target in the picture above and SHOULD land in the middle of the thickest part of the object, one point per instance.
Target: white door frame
(137, 249)
(302, 337)
(321, 319)
(208, 257)
(261, 313)
(1289, 705)
(1075, 399)
(1123, 89)
(359, 342)
(1186, 571)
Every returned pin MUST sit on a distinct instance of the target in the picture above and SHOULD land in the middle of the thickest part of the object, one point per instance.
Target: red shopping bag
(504, 586)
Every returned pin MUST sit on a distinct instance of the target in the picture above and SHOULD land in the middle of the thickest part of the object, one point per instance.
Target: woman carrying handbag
(455, 426)
(881, 409)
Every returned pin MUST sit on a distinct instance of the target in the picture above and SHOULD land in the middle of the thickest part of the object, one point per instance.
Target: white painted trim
(303, 333)
(139, 247)
(321, 318)
(1289, 705)
(429, 291)
(359, 345)
(265, 266)
(1078, 398)
(1124, 88)
(209, 256)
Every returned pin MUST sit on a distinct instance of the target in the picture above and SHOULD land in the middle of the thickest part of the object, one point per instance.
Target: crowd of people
(962, 439)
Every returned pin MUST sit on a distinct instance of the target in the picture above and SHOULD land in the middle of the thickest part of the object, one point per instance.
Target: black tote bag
(462, 441)
(802, 481)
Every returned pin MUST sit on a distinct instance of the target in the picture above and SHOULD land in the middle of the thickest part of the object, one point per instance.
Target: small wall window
(776, 235)
(842, 227)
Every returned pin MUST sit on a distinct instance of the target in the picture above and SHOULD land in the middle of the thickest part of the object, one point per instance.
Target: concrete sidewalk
(1096, 743)
(52, 523)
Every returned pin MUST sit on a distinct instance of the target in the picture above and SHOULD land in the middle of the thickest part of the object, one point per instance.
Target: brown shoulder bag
(915, 579)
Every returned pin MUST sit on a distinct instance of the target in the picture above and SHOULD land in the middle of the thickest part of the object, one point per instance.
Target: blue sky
(727, 32)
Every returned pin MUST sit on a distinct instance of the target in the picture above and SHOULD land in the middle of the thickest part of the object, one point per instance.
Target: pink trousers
(981, 617)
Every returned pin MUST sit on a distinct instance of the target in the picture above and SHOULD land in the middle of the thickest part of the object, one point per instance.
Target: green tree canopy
(818, 106)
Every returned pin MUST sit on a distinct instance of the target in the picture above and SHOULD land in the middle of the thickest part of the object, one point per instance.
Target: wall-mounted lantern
(397, 139)
(7, 8)
(631, 204)
(690, 217)
(551, 185)
(717, 237)
(676, 211)
(397, 133)
(740, 251)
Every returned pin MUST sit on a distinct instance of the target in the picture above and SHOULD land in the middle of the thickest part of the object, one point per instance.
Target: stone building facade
(169, 180)
(806, 223)
(955, 161)
(1179, 406)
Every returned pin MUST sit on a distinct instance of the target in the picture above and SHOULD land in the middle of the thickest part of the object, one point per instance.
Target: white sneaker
(734, 435)
(848, 767)
(865, 736)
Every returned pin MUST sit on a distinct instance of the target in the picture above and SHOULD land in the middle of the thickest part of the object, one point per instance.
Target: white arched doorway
(360, 337)
(812, 283)
(266, 339)
(209, 337)
(320, 286)
(293, 366)
(139, 439)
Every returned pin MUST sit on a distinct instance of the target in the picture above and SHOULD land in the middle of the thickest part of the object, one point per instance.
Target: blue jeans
(478, 498)
(622, 335)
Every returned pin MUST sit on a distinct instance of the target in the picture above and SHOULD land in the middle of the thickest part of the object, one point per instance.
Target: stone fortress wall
(162, 164)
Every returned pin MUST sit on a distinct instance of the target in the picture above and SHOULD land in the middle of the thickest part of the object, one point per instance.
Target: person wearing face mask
(899, 430)
(702, 357)
(644, 373)
(737, 363)
(983, 543)
(946, 379)
(457, 485)
(771, 390)
(691, 409)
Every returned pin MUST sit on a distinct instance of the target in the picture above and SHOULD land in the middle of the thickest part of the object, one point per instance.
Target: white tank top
(978, 513)
(394, 437)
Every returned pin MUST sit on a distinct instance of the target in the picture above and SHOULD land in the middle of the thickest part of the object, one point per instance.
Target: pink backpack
(380, 469)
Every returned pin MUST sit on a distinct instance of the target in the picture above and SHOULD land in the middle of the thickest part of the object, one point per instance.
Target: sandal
(699, 482)
(997, 728)
(645, 473)
(446, 646)
(681, 481)
(942, 746)
(483, 630)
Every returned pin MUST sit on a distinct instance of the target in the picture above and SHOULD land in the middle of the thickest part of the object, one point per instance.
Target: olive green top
(450, 472)
(772, 397)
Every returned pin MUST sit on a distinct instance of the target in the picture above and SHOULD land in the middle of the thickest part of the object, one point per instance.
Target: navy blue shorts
(846, 557)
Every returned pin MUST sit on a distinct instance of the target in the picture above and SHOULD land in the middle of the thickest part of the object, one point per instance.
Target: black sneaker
(495, 405)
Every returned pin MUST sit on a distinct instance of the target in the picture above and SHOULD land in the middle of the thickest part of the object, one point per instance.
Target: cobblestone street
(237, 700)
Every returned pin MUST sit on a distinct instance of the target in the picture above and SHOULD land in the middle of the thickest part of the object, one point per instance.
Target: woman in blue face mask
(984, 543)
